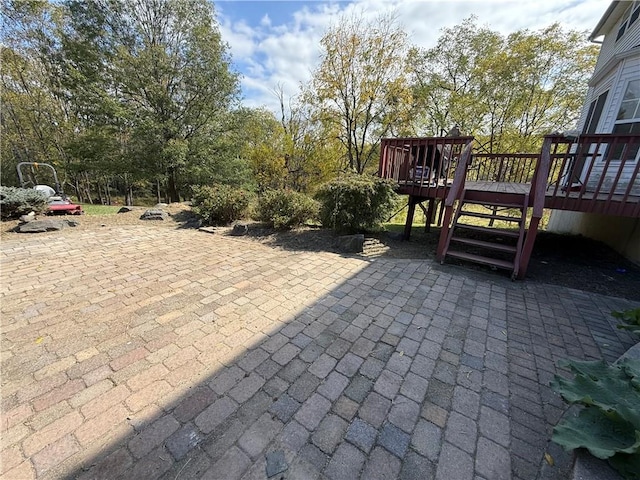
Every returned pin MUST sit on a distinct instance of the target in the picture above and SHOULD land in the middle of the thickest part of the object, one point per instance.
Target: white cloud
(285, 53)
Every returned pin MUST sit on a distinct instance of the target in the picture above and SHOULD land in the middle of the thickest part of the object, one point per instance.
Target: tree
(310, 157)
(506, 91)
(36, 123)
(360, 92)
(155, 74)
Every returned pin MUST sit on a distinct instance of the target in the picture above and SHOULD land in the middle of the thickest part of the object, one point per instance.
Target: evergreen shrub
(219, 204)
(356, 203)
(285, 209)
(15, 202)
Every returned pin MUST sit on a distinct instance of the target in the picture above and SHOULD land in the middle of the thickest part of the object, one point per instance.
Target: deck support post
(410, 213)
(430, 214)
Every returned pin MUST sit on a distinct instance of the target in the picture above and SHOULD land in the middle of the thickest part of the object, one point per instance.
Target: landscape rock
(161, 205)
(126, 209)
(350, 243)
(29, 217)
(154, 214)
(192, 223)
(239, 229)
(46, 225)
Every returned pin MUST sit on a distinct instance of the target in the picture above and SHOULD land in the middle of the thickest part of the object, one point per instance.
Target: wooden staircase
(488, 245)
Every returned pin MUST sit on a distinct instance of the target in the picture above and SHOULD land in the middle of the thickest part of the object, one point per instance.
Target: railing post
(538, 189)
(454, 193)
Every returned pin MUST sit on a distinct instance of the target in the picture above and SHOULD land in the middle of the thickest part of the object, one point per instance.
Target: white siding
(592, 94)
(628, 69)
(610, 47)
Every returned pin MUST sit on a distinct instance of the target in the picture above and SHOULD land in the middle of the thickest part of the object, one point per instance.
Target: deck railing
(595, 173)
(421, 164)
(502, 167)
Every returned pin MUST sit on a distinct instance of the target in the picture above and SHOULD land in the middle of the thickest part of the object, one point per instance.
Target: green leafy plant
(15, 202)
(356, 203)
(219, 204)
(285, 209)
(608, 425)
(630, 319)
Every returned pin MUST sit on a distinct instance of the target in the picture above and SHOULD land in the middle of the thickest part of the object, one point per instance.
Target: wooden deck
(499, 187)
(583, 201)
(597, 173)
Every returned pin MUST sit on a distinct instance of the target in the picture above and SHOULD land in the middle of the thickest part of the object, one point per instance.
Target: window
(628, 119)
(628, 19)
(595, 110)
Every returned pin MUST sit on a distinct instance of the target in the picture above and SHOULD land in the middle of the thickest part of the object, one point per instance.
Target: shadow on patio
(202, 355)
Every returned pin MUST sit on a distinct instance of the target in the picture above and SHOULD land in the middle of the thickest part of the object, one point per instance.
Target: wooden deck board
(499, 187)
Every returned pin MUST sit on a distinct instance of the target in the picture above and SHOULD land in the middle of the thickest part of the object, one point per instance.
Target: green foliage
(360, 92)
(89, 209)
(15, 202)
(219, 204)
(356, 203)
(507, 91)
(630, 319)
(609, 424)
(286, 209)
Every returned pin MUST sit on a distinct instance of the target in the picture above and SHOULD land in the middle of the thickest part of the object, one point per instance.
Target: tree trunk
(79, 194)
(158, 193)
(100, 193)
(87, 187)
(108, 191)
(128, 189)
(172, 190)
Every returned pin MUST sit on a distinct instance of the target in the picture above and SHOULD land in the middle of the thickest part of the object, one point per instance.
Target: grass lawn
(90, 209)
(419, 218)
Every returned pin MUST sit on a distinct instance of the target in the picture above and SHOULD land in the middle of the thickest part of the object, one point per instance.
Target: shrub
(609, 423)
(356, 203)
(285, 209)
(630, 320)
(15, 202)
(219, 204)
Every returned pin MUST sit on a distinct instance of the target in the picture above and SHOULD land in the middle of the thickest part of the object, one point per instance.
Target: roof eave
(605, 21)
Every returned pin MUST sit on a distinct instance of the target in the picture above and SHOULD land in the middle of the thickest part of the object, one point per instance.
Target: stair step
(495, 204)
(484, 244)
(489, 215)
(481, 259)
(489, 230)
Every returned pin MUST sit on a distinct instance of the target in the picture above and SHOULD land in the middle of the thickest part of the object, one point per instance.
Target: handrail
(459, 178)
(539, 183)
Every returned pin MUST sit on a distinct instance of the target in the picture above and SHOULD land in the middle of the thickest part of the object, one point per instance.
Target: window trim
(627, 121)
(631, 14)
(594, 113)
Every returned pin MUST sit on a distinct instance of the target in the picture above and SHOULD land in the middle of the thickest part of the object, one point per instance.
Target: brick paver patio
(147, 352)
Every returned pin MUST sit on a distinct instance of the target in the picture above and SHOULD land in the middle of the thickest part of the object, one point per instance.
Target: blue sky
(277, 42)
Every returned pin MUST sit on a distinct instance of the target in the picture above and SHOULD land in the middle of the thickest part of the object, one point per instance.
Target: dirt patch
(567, 260)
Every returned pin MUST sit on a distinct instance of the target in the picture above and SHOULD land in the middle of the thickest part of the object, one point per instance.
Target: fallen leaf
(549, 459)
(39, 340)
(401, 352)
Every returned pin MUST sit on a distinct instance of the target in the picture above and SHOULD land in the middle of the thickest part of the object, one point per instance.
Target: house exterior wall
(615, 83)
(610, 47)
(618, 63)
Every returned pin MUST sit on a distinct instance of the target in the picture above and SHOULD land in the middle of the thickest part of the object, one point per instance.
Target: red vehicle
(59, 203)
